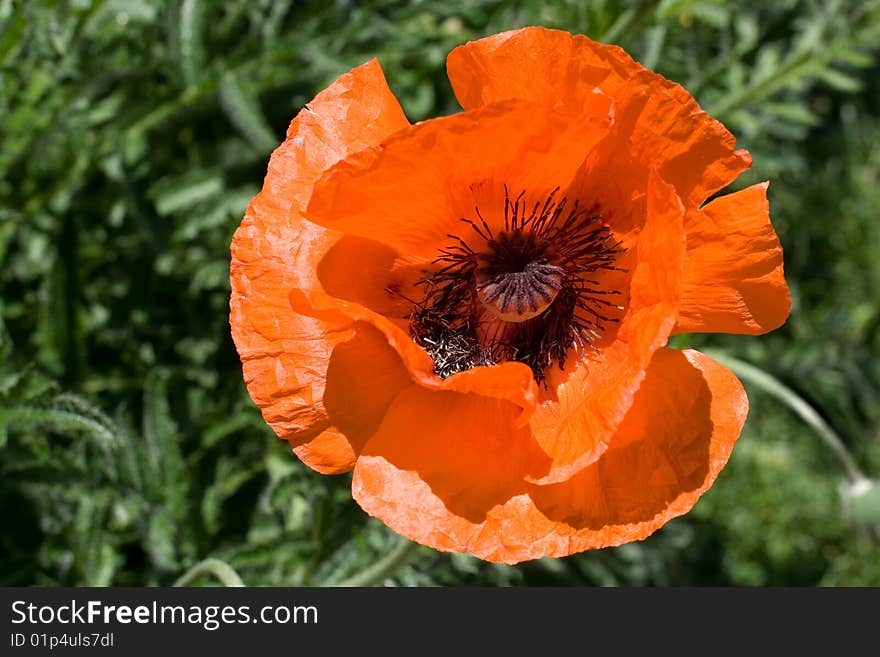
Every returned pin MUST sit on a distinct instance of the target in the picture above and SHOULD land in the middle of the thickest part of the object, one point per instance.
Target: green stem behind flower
(627, 21)
(384, 567)
(802, 409)
(219, 569)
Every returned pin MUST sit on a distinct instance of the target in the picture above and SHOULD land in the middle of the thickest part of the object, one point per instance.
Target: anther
(527, 293)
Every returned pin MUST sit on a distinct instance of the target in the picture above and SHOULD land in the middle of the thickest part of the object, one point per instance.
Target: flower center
(530, 293)
(516, 278)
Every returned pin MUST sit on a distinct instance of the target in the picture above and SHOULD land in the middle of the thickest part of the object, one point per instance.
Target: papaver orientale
(471, 312)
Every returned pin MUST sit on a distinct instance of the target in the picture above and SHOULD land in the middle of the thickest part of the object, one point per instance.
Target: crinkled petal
(691, 150)
(328, 452)
(285, 354)
(510, 381)
(398, 203)
(361, 270)
(733, 278)
(444, 490)
(412, 191)
(581, 413)
(459, 454)
(364, 375)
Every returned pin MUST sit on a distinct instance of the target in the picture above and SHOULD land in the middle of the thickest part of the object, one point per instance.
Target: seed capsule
(518, 296)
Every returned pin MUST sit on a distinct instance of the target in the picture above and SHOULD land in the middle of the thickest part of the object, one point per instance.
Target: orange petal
(671, 446)
(364, 375)
(284, 353)
(329, 452)
(578, 419)
(512, 382)
(371, 274)
(733, 280)
(412, 191)
(691, 150)
(441, 489)
(459, 454)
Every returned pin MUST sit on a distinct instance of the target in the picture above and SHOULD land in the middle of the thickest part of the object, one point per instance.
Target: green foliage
(134, 133)
(863, 501)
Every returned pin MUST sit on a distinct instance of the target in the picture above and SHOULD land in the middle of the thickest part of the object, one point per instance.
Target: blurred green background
(133, 134)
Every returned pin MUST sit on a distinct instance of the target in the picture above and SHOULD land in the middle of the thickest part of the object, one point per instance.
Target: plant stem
(219, 569)
(385, 567)
(758, 91)
(802, 409)
(627, 21)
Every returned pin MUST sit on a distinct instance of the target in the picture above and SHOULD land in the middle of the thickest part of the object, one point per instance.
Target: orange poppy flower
(471, 312)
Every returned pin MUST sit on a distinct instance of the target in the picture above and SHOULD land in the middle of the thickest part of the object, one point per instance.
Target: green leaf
(160, 433)
(793, 112)
(174, 195)
(24, 418)
(11, 35)
(191, 52)
(161, 539)
(228, 478)
(840, 81)
(244, 113)
(62, 322)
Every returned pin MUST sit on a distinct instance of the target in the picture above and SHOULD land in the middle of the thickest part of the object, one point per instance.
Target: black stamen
(524, 296)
